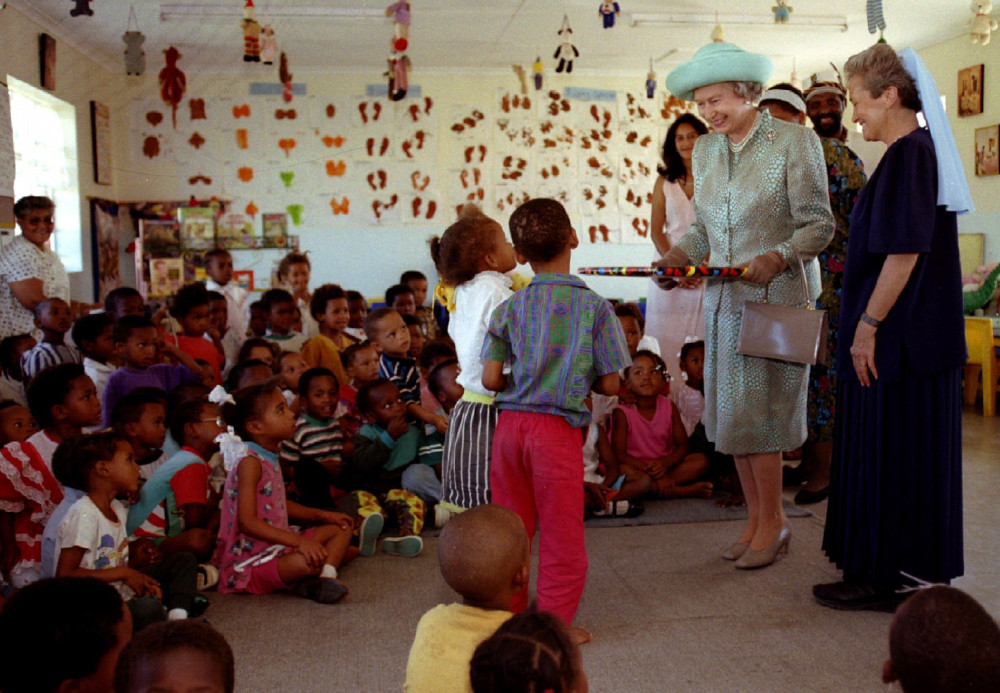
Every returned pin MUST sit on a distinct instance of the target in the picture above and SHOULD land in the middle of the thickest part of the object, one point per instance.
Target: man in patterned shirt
(561, 340)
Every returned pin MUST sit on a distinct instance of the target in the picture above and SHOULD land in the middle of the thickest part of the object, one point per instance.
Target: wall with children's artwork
(366, 181)
(944, 60)
(78, 81)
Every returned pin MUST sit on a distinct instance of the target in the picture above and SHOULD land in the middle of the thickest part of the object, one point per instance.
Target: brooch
(770, 135)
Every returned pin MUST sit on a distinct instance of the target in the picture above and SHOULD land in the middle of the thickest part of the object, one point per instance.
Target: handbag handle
(802, 276)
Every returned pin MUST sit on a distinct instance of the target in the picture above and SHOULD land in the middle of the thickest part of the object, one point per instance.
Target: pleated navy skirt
(896, 483)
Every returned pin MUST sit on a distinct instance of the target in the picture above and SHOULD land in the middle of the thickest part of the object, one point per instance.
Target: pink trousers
(537, 471)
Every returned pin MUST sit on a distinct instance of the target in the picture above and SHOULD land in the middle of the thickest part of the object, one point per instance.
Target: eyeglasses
(217, 421)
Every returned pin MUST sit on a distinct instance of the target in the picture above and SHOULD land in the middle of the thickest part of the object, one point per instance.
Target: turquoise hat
(718, 62)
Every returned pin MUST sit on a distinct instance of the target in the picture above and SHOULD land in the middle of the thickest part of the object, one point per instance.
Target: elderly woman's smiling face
(37, 225)
(726, 112)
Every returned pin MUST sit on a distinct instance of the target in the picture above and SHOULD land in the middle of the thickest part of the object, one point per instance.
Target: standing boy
(561, 340)
(53, 319)
(219, 267)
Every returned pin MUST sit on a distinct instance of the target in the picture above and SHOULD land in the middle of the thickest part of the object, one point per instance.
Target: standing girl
(671, 316)
(649, 438)
(257, 552)
(472, 256)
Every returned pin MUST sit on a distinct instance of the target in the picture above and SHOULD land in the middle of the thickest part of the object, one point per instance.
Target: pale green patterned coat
(772, 195)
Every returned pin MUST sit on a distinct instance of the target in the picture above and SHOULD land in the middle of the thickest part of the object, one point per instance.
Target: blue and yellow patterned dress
(769, 195)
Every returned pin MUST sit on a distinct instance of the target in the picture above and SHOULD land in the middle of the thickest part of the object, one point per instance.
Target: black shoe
(322, 590)
(857, 596)
(806, 497)
(198, 606)
(793, 476)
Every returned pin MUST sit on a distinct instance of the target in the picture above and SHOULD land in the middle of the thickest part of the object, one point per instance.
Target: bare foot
(736, 500)
(579, 635)
(699, 489)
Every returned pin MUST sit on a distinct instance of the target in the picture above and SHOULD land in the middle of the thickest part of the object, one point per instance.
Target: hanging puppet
(566, 52)
(522, 77)
(268, 45)
(782, 12)
(82, 7)
(538, 72)
(399, 75)
(135, 57)
(173, 82)
(876, 21)
(400, 13)
(650, 81)
(609, 12)
(286, 78)
(982, 23)
(251, 34)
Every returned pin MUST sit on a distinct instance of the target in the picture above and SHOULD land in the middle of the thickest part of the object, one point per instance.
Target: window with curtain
(45, 162)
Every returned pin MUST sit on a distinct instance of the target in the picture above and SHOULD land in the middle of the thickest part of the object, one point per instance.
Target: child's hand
(313, 551)
(141, 584)
(440, 422)
(398, 427)
(143, 555)
(595, 496)
(656, 468)
(340, 519)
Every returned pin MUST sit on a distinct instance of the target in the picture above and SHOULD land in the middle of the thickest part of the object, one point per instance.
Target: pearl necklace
(737, 147)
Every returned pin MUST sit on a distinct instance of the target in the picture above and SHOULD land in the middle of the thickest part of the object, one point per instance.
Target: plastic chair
(982, 358)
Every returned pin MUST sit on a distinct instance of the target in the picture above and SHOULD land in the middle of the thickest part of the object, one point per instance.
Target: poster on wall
(100, 137)
(988, 151)
(106, 232)
(970, 91)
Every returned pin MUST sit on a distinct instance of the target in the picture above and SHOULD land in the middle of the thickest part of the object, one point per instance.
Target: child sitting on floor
(537, 464)
(176, 656)
(329, 308)
(220, 330)
(257, 551)
(634, 327)
(387, 331)
(416, 330)
(11, 378)
(244, 373)
(442, 382)
(63, 401)
(418, 282)
(16, 423)
(357, 307)
(94, 336)
(288, 369)
(140, 417)
(92, 540)
(192, 308)
(606, 492)
(401, 299)
(431, 354)
(390, 448)
(54, 319)
(280, 307)
(648, 437)
(484, 556)
(173, 509)
(533, 651)
(361, 366)
(311, 460)
(124, 301)
(294, 272)
(139, 344)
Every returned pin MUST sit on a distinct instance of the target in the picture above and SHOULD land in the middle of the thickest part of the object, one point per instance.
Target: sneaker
(441, 515)
(322, 590)
(371, 527)
(408, 546)
(208, 576)
(622, 508)
(199, 604)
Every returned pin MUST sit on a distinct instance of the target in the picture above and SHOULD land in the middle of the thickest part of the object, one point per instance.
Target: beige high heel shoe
(736, 550)
(759, 559)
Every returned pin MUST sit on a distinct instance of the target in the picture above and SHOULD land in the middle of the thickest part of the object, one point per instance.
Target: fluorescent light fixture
(174, 12)
(679, 18)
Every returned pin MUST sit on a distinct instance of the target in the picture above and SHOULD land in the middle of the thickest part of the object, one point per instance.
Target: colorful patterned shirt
(559, 337)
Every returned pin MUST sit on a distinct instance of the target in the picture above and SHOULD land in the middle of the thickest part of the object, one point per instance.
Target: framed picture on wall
(100, 137)
(988, 151)
(47, 61)
(970, 91)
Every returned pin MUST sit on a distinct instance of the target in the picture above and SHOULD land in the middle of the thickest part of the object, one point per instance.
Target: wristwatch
(869, 320)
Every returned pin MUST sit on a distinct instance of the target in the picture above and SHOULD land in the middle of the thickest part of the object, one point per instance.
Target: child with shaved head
(483, 554)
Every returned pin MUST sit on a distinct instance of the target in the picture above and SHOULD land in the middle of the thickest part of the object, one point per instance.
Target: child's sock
(328, 572)
(177, 614)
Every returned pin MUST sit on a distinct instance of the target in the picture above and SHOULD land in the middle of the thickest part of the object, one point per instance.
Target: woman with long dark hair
(672, 316)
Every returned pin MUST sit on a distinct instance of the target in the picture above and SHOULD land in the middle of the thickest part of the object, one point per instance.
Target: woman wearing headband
(895, 511)
(760, 201)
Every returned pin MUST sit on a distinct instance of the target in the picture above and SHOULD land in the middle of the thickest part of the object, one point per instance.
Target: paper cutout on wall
(378, 147)
(295, 212)
(336, 168)
(416, 144)
(242, 138)
(340, 207)
(196, 140)
(419, 208)
(245, 173)
(377, 180)
(282, 113)
(252, 209)
(466, 121)
(200, 178)
(516, 133)
(332, 141)
(419, 180)
(197, 108)
(287, 177)
(287, 144)
(154, 118)
(515, 103)
(331, 110)
(241, 111)
(475, 153)
(369, 112)
(151, 146)
(381, 208)
(418, 111)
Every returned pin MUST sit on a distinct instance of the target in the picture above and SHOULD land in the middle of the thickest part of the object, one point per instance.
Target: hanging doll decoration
(609, 11)
(566, 52)
(782, 12)
(876, 20)
(286, 78)
(82, 7)
(650, 81)
(400, 13)
(522, 77)
(399, 75)
(538, 72)
(982, 24)
(251, 34)
(135, 57)
(173, 82)
(268, 45)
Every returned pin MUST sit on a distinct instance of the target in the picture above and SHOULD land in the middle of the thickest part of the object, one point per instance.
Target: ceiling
(490, 35)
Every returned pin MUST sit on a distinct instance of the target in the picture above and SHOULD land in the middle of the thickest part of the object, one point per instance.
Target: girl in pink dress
(258, 551)
(648, 437)
(673, 315)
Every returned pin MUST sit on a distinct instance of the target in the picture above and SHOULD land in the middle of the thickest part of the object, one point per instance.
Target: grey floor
(666, 612)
